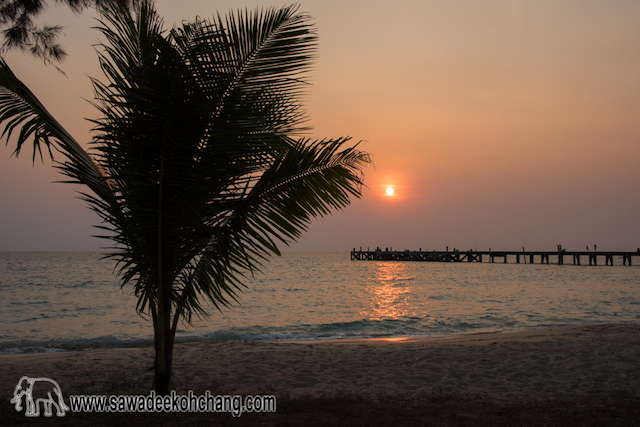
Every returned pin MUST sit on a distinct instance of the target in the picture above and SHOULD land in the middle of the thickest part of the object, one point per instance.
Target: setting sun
(390, 191)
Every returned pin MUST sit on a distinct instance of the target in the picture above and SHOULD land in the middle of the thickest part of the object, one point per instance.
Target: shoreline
(458, 338)
(532, 365)
(469, 338)
(336, 340)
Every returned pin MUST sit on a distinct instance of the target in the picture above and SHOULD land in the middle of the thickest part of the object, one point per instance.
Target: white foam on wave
(72, 344)
(115, 342)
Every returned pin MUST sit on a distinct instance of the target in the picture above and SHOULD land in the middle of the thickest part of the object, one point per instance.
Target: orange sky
(500, 124)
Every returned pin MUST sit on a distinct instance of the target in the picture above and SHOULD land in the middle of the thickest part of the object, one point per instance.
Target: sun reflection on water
(388, 292)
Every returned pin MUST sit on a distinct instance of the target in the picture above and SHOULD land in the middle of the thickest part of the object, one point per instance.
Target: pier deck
(530, 257)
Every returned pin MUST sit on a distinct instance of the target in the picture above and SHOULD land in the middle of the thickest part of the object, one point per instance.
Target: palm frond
(21, 109)
(307, 180)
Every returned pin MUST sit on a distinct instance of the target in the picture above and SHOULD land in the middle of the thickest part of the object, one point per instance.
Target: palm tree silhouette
(195, 168)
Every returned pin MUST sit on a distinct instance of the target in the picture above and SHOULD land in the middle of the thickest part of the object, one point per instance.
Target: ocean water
(57, 301)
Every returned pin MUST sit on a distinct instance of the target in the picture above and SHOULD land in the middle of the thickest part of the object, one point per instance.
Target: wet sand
(530, 365)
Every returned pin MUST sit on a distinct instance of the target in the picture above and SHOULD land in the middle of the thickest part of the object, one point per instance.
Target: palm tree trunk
(162, 381)
(163, 377)
(164, 339)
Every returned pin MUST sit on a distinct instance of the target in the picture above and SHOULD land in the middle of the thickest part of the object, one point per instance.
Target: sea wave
(56, 306)
(108, 342)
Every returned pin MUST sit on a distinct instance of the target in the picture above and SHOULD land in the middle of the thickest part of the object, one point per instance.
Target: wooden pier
(531, 257)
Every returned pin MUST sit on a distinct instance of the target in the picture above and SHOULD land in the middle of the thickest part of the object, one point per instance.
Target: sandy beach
(530, 365)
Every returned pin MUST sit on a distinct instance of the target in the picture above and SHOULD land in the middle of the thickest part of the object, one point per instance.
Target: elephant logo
(36, 391)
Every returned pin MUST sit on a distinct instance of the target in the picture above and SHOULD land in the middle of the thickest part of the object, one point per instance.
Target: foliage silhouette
(21, 32)
(195, 169)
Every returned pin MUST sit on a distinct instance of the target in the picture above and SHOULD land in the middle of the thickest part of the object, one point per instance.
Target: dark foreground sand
(521, 366)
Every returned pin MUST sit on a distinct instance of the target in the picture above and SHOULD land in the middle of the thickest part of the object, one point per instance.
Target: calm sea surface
(53, 301)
